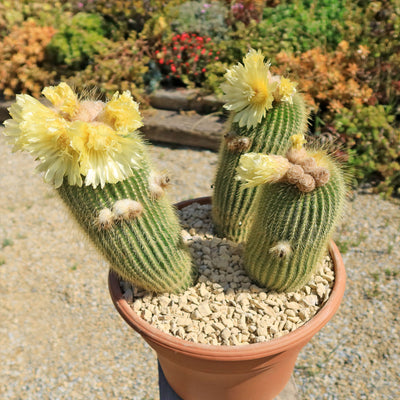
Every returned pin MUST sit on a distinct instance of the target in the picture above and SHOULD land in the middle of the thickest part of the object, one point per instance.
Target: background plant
(373, 144)
(77, 41)
(344, 53)
(303, 25)
(118, 66)
(22, 60)
(206, 18)
(186, 58)
(329, 80)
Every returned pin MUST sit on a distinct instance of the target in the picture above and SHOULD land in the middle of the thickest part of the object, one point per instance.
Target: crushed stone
(225, 307)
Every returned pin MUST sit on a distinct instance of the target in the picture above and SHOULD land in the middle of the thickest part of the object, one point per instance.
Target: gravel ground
(61, 338)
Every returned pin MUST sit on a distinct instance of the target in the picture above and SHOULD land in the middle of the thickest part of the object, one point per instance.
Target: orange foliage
(22, 54)
(328, 80)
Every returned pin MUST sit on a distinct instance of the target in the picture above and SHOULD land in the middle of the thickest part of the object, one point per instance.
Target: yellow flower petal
(298, 140)
(248, 89)
(104, 155)
(78, 139)
(63, 98)
(256, 169)
(285, 90)
(122, 112)
(43, 133)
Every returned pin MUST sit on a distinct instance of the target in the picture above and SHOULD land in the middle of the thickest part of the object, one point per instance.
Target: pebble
(224, 307)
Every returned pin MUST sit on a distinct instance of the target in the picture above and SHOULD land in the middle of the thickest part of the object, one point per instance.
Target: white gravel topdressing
(225, 307)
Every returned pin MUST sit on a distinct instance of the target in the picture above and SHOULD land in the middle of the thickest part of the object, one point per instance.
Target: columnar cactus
(91, 152)
(300, 202)
(267, 111)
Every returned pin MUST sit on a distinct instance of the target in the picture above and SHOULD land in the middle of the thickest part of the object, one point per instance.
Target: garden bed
(346, 69)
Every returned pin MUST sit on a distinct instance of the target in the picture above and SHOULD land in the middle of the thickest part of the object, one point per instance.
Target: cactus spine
(295, 218)
(90, 151)
(282, 115)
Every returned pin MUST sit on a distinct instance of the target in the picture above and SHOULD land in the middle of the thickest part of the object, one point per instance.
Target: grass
(390, 273)
(374, 291)
(345, 245)
(7, 242)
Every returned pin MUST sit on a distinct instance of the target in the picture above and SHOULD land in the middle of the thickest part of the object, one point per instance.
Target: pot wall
(261, 379)
(249, 372)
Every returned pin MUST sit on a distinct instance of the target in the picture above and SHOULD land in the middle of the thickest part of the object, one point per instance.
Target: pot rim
(225, 352)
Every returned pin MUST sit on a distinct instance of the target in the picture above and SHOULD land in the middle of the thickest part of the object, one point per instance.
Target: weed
(373, 292)
(343, 246)
(7, 242)
(375, 276)
(390, 273)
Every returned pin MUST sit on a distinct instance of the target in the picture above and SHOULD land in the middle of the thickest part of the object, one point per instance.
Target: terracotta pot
(253, 372)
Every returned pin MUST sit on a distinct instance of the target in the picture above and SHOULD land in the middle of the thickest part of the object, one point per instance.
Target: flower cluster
(186, 57)
(77, 138)
(250, 89)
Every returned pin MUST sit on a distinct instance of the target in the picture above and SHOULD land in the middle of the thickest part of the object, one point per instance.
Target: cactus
(299, 204)
(90, 151)
(266, 113)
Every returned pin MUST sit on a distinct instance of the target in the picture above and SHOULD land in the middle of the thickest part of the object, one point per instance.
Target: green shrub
(304, 24)
(376, 27)
(123, 16)
(373, 144)
(77, 41)
(119, 66)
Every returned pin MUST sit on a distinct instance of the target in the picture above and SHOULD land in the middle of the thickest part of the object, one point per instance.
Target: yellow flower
(105, 156)
(256, 169)
(42, 132)
(248, 89)
(86, 141)
(297, 141)
(285, 90)
(122, 113)
(63, 98)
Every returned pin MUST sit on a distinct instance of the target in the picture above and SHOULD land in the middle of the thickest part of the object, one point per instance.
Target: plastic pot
(252, 372)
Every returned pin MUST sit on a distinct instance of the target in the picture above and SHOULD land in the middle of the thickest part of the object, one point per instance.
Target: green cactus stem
(146, 249)
(231, 204)
(294, 220)
(92, 154)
